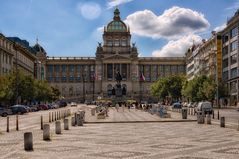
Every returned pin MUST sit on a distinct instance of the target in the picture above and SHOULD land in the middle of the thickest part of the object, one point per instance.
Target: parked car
(73, 104)
(55, 106)
(5, 112)
(88, 102)
(204, 107)
(42, 107)
(177, 105)
(33, 108)
(19, 109)
(62, 104)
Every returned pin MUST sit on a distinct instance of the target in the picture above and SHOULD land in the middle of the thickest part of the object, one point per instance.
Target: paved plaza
(176, 140)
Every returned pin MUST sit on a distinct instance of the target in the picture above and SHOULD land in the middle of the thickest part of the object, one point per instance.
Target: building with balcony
(230, 56)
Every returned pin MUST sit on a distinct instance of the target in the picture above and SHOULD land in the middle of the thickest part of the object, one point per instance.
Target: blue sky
(73, 27)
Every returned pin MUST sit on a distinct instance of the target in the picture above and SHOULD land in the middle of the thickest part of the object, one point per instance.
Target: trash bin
(184, 113)
(200, 117)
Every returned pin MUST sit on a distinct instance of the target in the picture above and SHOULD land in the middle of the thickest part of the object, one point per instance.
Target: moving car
(204, 107)
(5, 112)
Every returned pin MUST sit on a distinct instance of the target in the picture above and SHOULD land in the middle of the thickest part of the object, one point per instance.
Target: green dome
(116, 26)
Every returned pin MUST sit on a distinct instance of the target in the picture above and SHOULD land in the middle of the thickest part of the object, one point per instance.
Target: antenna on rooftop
(37, 40)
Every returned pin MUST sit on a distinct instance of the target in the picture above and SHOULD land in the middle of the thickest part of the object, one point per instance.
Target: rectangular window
(233, 87)
(234, 72)
(109, 71)
(57, 68)
(123, 42)
(233, 32)
(225, 38)
(50, 68)
(161, 71)
(233, 59)
(234, 45)
(124, 71)
(174, 69)
(109, 43)
(225, 63)
(225, 76)
(71, 68)
(116, 42)
(63, 68)
(225, 51)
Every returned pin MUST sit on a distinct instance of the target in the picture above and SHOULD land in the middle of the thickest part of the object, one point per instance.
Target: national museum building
(89, 78)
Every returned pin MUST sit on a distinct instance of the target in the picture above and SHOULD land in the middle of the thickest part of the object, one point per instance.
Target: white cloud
(113, 3)
(89, 10)
(220, 28)
(177, 48)
(172, 24)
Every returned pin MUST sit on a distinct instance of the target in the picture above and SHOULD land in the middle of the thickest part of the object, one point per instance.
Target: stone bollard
(218, 115)
(73, 121)
(46, 132)
(184, 114)
(93, 112)
(41, 122)
(49, 117)
(28, 141)
(200, 118)
(78, 118)
(58, 127)
(17, 127)
(66, 124)
(222, 122)
(208, 118)
(8, 124)
(238, 126)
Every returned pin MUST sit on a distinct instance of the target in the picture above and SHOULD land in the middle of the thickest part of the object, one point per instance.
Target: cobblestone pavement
(176, 140)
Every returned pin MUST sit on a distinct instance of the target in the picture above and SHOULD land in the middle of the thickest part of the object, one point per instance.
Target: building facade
(230, 59)
(205, 58)
(16, 54)
(88, 78)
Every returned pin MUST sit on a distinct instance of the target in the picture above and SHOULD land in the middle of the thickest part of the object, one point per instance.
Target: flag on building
(142, 78)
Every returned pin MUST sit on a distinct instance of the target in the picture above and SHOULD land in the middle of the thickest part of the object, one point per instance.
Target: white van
(204, 107)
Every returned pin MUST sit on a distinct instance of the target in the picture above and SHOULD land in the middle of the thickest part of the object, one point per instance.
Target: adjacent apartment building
(16, 54)
(230, 56)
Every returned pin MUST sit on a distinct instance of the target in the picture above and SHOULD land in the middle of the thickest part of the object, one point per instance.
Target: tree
(200, 88)
(168, 86)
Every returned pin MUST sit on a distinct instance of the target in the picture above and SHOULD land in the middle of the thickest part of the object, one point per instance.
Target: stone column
(46, 132)
(28, 141)
(208, 117)
(222, 122)
(66, 124)
(73, 121)
(58, 127)
(200, 118)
